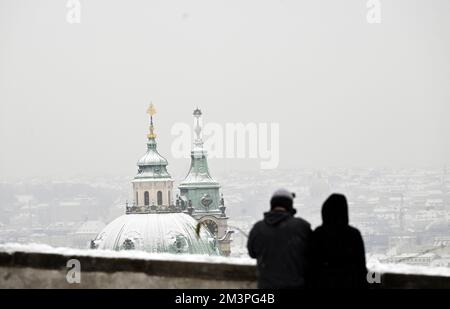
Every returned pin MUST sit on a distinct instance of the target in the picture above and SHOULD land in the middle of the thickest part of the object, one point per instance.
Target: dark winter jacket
(280, 243)
(338, 254)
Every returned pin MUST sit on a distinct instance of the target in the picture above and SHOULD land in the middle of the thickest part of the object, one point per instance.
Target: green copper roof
(199, 172)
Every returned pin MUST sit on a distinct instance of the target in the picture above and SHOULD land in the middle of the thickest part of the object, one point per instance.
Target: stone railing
(22, 267)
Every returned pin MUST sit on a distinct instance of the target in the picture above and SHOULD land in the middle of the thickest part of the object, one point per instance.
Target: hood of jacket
(335, 211)
(275, 217)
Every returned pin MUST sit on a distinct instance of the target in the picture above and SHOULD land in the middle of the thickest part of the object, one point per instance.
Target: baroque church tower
(153, 185)
(196, 223)
(152, 222)
(200, 193)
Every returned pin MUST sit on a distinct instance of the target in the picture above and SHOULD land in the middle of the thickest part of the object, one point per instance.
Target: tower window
(137, 199)
(168, 197)
(159, 197)
(146, 198)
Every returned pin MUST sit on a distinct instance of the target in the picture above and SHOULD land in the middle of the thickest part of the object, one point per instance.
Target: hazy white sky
(345, 92)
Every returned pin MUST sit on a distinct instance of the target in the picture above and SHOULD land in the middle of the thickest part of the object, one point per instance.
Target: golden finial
(151, 111)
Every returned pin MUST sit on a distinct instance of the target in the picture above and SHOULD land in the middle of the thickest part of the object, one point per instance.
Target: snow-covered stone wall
(41, 266)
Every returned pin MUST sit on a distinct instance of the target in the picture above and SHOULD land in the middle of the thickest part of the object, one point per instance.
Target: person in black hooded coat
(280, 243)
(338, 254)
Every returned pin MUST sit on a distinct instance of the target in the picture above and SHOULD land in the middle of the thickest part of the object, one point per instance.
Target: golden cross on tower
(151, 111)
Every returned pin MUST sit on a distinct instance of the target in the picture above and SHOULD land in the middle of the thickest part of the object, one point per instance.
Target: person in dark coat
(338, 254)
(280, 244)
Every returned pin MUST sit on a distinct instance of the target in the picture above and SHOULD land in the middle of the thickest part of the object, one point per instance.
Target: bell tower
(200, 194)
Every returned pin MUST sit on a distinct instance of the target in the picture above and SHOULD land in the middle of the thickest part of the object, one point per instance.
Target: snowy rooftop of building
(156, 233)
(401, 268)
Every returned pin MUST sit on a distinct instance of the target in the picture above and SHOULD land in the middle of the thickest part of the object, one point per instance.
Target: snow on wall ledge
(133, 255)
(42, 266)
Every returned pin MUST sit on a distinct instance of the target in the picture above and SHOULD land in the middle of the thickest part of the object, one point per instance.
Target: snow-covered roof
(156, 233)
(152, 157)
(402, 268)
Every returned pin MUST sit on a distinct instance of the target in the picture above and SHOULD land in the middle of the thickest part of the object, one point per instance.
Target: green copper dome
(152, 156)
(152, 164)
(156, 233)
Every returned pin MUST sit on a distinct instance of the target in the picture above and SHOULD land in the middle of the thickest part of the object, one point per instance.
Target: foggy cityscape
(403, 214)
(169, 127)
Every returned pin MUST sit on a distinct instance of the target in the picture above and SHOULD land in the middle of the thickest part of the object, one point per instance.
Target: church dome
(156, 233)
(152, 157)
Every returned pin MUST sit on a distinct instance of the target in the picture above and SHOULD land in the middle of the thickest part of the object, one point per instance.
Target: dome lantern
(153, 185)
